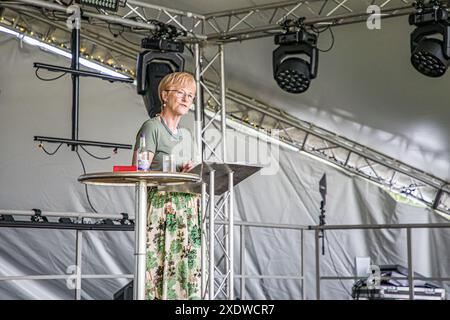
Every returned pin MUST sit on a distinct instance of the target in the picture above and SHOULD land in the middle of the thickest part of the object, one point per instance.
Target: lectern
(216, 187)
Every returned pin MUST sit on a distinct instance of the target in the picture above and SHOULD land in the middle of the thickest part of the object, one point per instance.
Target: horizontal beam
(72, 142)
(75, 215)
(81, 72)
(382, 226)
(66, 226)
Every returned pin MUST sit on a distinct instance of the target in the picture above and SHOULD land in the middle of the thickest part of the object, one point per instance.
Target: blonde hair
(175, 78)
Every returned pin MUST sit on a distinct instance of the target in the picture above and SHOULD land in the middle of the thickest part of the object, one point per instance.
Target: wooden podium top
(130, 178)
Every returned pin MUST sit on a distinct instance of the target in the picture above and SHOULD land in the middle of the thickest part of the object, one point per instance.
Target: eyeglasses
(181, 94)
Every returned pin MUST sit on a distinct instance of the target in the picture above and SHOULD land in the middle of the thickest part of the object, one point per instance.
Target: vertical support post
(198, 103)
(140, 236)
(302, 268)
(226, 238)
(211, 234)
(243, 230)
(79, 242)
(410, 264)
(222, 101)
(75, 48)
(230, 236)
(316, 235)
(203, 245)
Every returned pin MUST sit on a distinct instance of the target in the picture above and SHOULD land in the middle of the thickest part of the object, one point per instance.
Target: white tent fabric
(113, 113)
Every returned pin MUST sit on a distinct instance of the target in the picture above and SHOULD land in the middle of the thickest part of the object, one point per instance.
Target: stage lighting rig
(430, 41)
(164, 38)
(295, 61)
(161, 57)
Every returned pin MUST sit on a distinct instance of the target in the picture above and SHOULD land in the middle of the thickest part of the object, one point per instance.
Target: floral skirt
(173, 270)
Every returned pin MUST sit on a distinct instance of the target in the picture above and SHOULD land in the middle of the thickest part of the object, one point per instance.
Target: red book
(124, 168)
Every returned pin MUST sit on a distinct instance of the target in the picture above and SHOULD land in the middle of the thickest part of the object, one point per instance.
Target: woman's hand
(187, 166)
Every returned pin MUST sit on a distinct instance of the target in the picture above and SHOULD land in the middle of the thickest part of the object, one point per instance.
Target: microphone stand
(322, 223)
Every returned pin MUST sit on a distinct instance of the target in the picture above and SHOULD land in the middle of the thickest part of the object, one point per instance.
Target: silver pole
(226, 234)
(230, 236)
(140, 236)
(222, 102)
(203, 245)
(198, 102)
(211, 234)
(302, 268)
(243, 229)
(410, 264)
(136, 239)
(79, 242)
(317, 264)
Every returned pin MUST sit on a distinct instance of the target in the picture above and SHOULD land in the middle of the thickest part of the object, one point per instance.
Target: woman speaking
(173, 219)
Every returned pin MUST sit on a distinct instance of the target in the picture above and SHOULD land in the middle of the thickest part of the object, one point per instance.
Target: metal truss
(217, 94)
(237, 24)
(139, 19)
(263, 20)
(388, 172)
(217, 240)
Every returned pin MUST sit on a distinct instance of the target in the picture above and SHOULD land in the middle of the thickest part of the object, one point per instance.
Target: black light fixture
(163, 56)
(295, 61)
(430, 42)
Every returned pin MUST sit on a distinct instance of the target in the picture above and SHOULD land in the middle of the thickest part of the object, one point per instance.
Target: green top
(160, 141)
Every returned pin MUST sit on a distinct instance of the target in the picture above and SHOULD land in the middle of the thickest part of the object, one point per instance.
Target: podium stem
(140, 235)
(211, 234)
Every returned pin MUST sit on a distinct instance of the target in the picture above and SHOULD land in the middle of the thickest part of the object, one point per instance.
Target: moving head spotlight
(295, 61)
(430, 42)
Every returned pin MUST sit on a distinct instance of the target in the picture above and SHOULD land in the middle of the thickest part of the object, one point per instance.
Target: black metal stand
(322, 223)
(75, 47)
(76, 73)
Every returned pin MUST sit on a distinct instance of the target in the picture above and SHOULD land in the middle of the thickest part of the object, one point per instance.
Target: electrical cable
(41, 145)
(120, 34)
(52, 79)
(321, 31)
(82, 164)
(323, 7)
(94, 156)
(85, 186)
